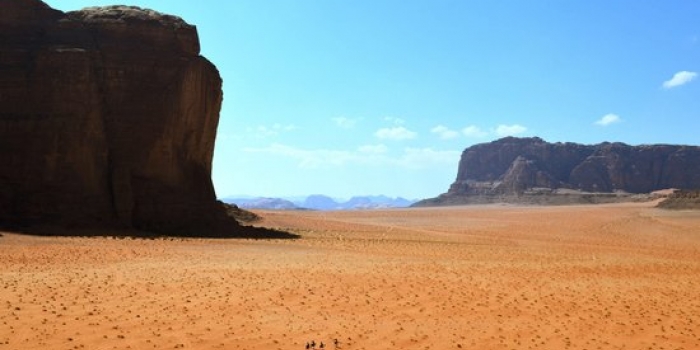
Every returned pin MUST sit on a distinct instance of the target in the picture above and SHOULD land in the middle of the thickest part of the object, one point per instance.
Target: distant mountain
(358, 202)
(531, 170)
(319, 202)
(375, 202)
(262, 203)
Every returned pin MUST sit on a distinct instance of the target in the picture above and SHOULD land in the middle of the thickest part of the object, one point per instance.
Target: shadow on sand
(224, 222)
(234, 232)
(221, 230)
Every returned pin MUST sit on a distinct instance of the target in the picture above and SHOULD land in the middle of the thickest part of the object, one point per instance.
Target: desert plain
(619, 276)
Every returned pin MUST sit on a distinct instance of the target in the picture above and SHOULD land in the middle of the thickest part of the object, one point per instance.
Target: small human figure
(336, 343)
(321, 346)
(313, 344)
(308, 346)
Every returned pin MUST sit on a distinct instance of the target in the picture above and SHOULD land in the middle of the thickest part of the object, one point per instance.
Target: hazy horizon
(381, 97)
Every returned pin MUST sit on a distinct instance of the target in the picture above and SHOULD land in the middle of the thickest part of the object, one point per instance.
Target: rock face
(108, 118)
(512, 168)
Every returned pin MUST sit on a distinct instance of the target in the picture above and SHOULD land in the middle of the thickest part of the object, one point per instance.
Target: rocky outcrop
(527, 169)
(682, 200)
(108, 118)
(241, 215)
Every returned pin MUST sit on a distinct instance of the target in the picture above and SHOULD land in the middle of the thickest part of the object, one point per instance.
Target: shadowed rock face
(518, 166)
(108, 118)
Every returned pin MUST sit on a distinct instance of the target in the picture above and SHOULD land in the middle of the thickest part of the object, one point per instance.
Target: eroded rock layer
(511, 169)
(108, 118)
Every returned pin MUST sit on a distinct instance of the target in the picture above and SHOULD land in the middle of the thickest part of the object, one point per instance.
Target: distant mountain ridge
(320, 202)
(531, 170)
(262, 203)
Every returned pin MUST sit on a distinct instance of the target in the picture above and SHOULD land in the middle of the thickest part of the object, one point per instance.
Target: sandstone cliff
(108, 118)
(532, 170)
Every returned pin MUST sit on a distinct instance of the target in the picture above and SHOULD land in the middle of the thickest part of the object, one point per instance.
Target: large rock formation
(532, 170)
(108, 118)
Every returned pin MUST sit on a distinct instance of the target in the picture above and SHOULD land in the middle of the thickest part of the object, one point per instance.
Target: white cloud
(608, 119)
(680, 78)
(395, 133)
(510, 130)
(444, 132)
(345, 123)
(368, 155)
(474, 131)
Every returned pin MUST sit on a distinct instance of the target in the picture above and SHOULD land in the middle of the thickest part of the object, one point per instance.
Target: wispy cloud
(444, 132)
(608, 119)
(510, 130)
(305, 158)
(394, 120)
(345, 123)
(395, 133)
(262, 131)
(474, 131)
(416, 158)
(678, 79)
(368, 155)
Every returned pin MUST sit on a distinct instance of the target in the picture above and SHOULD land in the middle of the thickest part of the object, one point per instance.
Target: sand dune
(496, 277)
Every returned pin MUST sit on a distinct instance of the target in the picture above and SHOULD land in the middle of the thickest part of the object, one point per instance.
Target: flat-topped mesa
(108, 119)
(127, 14)
(511, 169)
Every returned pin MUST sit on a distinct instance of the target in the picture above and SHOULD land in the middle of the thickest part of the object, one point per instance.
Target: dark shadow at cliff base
(215, 220)
(237, 232)
(243, 232)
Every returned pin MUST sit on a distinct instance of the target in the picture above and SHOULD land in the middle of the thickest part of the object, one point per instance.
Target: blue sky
(380, 97)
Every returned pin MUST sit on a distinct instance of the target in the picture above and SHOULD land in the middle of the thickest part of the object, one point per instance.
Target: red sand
(619, 276)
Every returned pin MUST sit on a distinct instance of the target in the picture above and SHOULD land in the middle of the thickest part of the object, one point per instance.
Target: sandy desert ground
(622, 276)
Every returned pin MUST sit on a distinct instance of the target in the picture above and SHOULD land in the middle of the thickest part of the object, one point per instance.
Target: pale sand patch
(621, 276)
